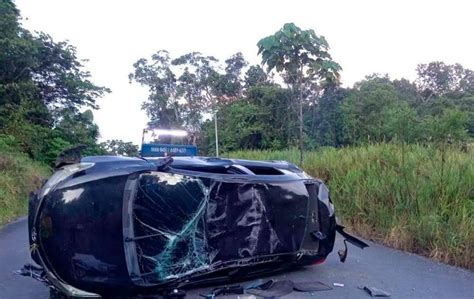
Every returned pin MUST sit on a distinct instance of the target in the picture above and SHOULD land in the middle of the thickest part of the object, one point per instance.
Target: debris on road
(226, 290)
(268, 289)
(336, 284)
(310, 286)
(273, 289)
(375, 292)
(343, 252)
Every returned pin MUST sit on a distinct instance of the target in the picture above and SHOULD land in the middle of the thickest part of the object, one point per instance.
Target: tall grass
(413, 198)
(18, 176)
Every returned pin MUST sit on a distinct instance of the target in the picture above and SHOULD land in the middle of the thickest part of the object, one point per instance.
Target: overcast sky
(365, 37)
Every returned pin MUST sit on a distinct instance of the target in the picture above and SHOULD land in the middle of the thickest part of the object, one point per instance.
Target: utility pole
(301, 141)
(300, 114)
(215, 130)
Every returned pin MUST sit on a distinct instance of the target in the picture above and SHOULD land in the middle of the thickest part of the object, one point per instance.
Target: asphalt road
(402, 274)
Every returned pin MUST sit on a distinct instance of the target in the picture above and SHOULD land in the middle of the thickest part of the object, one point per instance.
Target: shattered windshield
(184, 224)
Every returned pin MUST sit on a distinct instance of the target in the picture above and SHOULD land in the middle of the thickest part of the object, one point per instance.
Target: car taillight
(60, 175)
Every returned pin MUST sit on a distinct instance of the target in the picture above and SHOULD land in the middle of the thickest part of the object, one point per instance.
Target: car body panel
(130, 225)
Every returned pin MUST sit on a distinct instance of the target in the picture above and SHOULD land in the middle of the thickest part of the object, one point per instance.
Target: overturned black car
(110, 225)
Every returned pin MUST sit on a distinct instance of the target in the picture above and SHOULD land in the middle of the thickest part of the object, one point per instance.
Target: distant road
(401, 274)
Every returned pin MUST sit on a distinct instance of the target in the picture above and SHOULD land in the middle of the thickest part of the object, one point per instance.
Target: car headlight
(62, 174)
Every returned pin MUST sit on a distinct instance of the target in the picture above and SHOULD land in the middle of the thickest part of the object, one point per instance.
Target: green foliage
(366, 110)
(9, 144)
(230, 84)
(274, 104)
(200, 84)
(53, 148)
(439, 79)
(43, 87)
(298, 54)
(162, 105)
(254, 76)
(257, 122)
(245, 127)
(450, 127)
(185, 89)
(312, 110)
(378, 109)
(412, 197)
(402, 124)
(324, 122)
(19, 175)
(77, 129)
(118, 147)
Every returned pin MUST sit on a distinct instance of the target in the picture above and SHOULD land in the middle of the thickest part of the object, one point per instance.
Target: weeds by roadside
(18, 177)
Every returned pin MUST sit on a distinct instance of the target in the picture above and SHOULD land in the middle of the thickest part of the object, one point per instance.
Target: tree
(438, 79)
(324, 121)
(257, 121)
(272, 101)
(185, 90)
(254, 76)
(408, 91)
(303, 60)
(42, 82)
(162, 106)
(242, 126)
(79, 128)
(118, 147)
(230, 84)
(202, 87)
(448, 128)
(446, 86)
(198, 86)
(402, 124)
(366, 109)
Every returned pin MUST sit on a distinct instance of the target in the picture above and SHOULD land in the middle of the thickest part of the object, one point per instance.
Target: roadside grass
(414, 198)
(19, 175)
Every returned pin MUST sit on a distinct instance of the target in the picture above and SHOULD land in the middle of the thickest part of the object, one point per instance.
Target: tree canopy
(292, 99)
(44, 90)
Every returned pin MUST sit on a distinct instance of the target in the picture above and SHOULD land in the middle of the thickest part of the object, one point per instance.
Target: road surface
(402, 274)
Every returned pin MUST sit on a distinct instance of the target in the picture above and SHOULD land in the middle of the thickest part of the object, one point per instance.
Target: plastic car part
(348, 238)
(351, 239)
(310, 286)
(374, 292)
(343, 253)
(274, 289)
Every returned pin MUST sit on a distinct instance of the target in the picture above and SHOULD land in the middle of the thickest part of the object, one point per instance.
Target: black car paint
(79, 229)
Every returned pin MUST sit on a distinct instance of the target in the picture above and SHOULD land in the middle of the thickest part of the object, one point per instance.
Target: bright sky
(365, 37)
